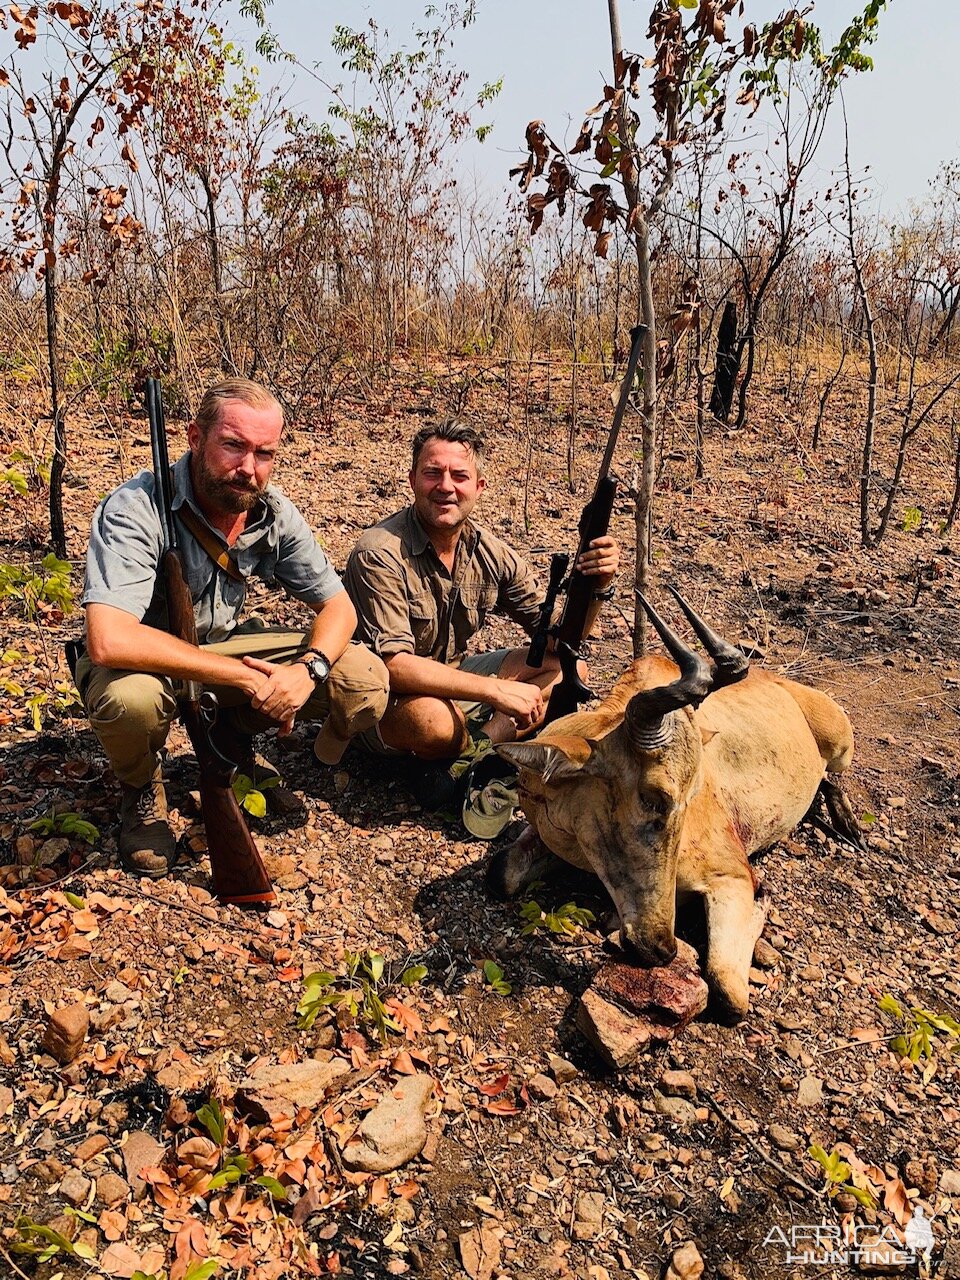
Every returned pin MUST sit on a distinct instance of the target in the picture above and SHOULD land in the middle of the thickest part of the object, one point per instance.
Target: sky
(552, 55)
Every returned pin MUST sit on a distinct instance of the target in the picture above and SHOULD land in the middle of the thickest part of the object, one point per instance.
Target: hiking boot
(434, 784)
(146, 844)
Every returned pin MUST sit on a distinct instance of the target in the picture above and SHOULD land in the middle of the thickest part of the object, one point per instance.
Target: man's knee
(358, 689)
(142, 702)
(430, 728)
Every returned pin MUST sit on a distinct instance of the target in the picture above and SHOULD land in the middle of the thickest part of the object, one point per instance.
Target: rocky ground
(163, 1103)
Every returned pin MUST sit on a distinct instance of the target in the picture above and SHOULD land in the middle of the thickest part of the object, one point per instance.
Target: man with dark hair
(422, 582)
(233, 526)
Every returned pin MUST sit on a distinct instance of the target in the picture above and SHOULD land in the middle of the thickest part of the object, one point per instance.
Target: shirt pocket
(476, 600)
(423, 624)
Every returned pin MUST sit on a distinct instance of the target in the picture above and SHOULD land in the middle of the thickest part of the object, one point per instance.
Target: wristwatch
(318, 664)
(606, 594)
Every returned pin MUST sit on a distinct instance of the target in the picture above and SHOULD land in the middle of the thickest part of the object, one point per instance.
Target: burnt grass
(766, 547)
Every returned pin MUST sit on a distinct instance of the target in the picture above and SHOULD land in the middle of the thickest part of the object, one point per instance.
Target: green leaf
(276, 1189)
(492, 971)
(319, 978)
(213, 1120)
(202, 1270)
(255, 803)
(416, 973)
(889, 1004)
(84, 1250)
(75, 900)
(374, 965)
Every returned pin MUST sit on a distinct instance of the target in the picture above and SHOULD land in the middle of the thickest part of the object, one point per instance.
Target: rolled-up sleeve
(302, 568)
(377, 586)
(123, 556)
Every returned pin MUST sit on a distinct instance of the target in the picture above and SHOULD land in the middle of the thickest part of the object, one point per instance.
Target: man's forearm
(144, 648)
(410, 676)
(333, 627)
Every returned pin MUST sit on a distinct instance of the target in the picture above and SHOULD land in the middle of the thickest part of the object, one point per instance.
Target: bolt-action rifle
(569, 632)
(239, 875)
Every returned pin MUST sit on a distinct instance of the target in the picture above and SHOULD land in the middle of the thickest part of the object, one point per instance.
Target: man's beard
(229, 496)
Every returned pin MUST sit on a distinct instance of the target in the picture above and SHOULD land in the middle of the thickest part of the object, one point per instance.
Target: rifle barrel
(637, 334)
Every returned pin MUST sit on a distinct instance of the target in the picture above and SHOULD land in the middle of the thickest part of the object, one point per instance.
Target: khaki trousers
(131, 711)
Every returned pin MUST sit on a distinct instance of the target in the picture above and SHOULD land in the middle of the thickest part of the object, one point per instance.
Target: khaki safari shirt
(408, 602)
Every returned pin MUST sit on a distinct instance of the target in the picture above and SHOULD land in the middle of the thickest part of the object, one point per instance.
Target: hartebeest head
(616, 783)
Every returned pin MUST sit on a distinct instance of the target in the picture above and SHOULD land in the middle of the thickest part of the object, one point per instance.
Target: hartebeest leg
(734, 923)
(517, 865)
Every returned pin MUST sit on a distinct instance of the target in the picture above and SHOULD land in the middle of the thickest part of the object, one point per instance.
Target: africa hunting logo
(826, 1244)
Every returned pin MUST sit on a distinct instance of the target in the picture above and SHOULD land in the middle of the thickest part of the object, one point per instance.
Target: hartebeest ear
(550, 760)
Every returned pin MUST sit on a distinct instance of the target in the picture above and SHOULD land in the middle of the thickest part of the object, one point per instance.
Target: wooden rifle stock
(570, 631)
(239, 875)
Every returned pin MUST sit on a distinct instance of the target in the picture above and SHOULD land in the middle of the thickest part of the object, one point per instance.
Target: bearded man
(233, 525)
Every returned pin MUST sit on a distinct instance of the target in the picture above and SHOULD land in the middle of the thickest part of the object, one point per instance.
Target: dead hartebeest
(666, 789)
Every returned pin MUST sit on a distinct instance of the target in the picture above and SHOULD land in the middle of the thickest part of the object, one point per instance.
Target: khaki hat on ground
(329, 746)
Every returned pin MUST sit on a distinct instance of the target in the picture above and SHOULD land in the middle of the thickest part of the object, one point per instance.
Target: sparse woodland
(791, 461)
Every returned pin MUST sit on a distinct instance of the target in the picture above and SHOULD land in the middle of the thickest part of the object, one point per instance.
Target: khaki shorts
(476, 714)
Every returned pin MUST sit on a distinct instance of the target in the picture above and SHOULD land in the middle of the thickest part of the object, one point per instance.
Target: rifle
(568, 634)
(239, 875)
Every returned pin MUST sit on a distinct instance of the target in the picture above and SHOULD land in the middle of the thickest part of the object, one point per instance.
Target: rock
(282, 1089)
(52, 851)
(675, 993)
(950, 1183)
(140, 1151)
(810, 1092)
(479, 1250)
(561, 1070)
(678, 1084)
(764, 955)
(7, 1055)
(75, 1188)
(617, 1038)
(542, 1086)
(116, 992)
(90, 1147)
(626, 1009)
(111, 1189)
(49, 1170)
(783, 1139)
(677, 1110)
(395, 1131)
(588, 1216)
(924, 1175)
(66, 1031)
(686, 1263)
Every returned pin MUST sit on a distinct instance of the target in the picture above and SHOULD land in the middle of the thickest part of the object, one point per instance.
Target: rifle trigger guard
(210, 713)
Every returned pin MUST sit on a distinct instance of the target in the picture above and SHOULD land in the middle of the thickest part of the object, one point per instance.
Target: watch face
(319, 668)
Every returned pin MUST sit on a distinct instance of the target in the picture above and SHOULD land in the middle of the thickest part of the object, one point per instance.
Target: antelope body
(668, 787)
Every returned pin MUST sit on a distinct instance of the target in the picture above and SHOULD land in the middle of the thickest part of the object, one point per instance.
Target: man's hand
(284, 691)
(521, 703)
(601, 559)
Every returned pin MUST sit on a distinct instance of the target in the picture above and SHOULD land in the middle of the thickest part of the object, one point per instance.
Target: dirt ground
(539, 1161)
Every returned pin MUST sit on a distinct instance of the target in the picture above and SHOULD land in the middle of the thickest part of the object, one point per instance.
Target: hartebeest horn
(646, 713)
(731, 664)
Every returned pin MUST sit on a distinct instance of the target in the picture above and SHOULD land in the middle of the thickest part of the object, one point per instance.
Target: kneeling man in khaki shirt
(422, 582)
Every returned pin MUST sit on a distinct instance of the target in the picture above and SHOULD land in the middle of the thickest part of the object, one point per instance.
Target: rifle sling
(209, 543)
